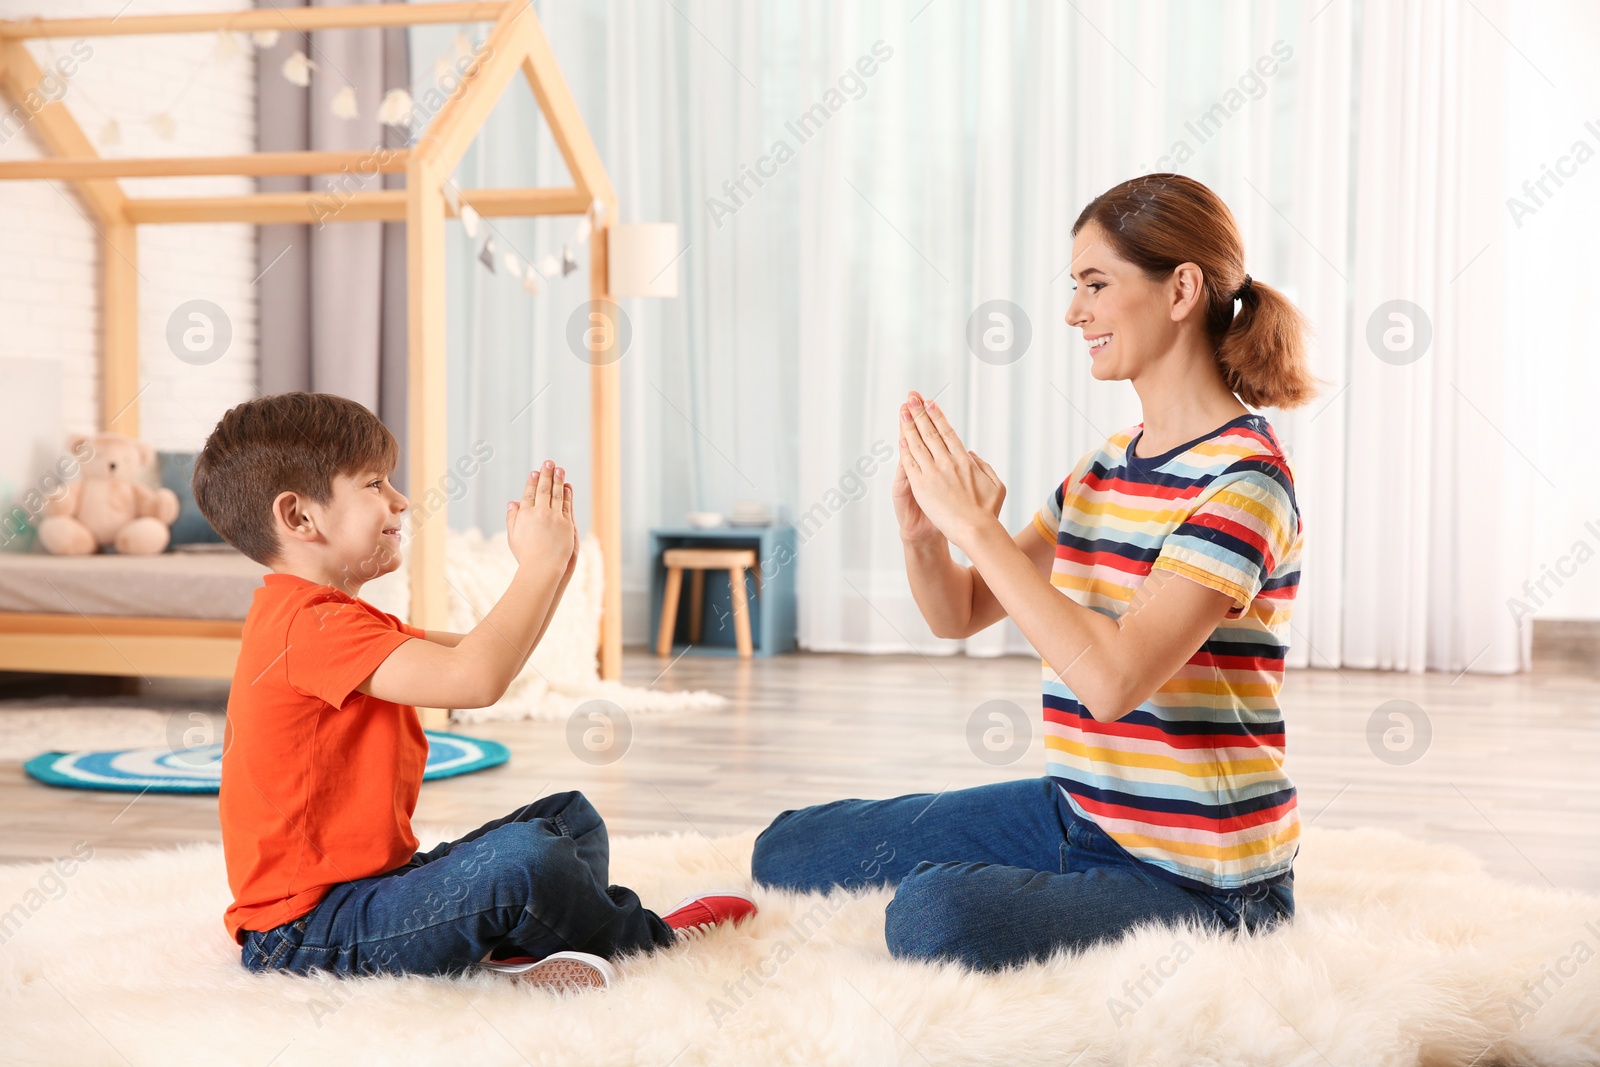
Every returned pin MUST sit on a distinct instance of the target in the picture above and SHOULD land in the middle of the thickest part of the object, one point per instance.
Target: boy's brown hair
(286, 442)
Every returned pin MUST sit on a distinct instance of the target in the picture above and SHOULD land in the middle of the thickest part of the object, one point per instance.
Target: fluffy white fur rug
(1402, 953)
(563, 671)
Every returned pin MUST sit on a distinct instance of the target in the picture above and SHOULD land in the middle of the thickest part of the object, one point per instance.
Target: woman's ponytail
(1157, 222)
(1262, 350)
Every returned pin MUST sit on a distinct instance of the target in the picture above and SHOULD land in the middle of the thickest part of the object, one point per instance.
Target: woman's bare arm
(1111, 665)
(955, 600)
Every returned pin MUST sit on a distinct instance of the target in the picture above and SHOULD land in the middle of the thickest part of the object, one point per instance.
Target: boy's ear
(291, 519)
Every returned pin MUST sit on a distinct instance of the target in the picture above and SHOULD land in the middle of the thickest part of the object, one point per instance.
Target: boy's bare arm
(445, 637)
(475, 671)
(555, 602)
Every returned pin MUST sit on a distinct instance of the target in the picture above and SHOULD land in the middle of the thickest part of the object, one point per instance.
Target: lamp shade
(643, 259)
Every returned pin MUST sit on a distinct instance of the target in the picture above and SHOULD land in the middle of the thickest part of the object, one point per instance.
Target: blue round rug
(199, 770)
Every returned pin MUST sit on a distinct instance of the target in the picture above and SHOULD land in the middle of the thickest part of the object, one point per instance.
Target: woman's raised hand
(951, 487)
(915, 525)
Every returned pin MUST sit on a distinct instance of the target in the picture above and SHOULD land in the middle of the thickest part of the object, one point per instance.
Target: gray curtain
(333, 295)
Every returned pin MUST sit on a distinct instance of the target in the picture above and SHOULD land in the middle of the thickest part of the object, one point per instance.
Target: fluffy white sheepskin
(1402, 953)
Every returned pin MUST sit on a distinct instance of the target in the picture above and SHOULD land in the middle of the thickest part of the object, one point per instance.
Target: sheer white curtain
(972, 165)
(1440, 486)
(853, 180)
(1552, 276)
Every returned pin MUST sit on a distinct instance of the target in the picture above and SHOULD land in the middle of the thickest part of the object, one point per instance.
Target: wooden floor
(1512, 771)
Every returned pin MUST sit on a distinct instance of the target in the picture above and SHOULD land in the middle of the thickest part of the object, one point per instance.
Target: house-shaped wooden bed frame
(207, 648)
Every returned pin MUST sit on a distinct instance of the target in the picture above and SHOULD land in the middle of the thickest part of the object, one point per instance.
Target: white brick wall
(49, 250)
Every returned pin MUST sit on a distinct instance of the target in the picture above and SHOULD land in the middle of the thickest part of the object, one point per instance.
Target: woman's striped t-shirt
(1192, 780)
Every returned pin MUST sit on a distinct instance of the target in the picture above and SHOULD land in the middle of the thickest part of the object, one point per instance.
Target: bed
(178, 614)
(193, 645)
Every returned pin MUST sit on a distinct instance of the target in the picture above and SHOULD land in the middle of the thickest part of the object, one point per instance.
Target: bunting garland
(531, 276)
(397, 109)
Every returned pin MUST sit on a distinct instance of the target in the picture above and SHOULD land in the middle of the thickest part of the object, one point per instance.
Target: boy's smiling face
(363, 520)
(351, 539)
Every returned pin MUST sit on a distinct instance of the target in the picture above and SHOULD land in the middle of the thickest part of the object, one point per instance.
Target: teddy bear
(110, 504)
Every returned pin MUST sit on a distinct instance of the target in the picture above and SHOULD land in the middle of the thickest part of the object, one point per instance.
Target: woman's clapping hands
(940, 486)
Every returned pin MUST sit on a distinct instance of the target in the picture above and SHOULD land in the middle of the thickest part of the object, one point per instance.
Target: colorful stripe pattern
(1192, 780)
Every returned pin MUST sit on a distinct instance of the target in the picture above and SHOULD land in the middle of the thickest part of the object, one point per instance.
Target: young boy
(323, 753)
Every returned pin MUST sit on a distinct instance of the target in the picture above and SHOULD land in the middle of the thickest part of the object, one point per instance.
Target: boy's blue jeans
(532, 883)
(993, 876)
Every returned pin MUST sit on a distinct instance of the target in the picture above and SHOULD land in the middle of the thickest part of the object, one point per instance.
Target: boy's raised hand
(540, 525)
(476, 670)
(570, 509)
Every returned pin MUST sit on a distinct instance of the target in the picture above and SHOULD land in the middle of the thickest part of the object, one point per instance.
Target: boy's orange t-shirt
(319, 781)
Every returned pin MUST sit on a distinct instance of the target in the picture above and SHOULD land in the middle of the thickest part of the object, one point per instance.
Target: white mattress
(210, 583)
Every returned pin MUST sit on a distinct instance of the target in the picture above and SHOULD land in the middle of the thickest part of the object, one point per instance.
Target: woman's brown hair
(1157, 222)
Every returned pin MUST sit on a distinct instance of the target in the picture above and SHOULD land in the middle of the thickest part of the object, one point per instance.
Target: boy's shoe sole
(568, 971)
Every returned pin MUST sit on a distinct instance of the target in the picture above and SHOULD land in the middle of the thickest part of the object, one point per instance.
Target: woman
(1159, 575)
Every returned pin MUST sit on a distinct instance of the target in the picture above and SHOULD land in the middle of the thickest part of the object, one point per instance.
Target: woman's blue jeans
(994, 876)
(529, 884)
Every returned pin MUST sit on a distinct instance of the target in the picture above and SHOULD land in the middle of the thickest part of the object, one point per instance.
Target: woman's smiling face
(1126, 318)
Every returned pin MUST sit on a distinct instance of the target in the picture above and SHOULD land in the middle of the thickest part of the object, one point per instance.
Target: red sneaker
(561, 971)
(693, 916)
